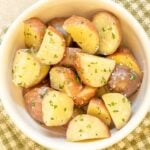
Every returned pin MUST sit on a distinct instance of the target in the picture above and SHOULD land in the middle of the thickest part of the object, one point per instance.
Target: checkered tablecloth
(11, 138)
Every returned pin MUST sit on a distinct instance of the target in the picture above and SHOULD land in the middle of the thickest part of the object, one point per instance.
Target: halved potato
(52, 48)
(97, 108)
(34, 30)
(33, 102)
(119, 108)
(124, 81)
(57, 108)
(65, 80)
(83, 32)
(27, 70)
(125, 57)
(84, 127)
(57, 23)
(69, 57)
(84, 96)
(109, 32)
(93, 70)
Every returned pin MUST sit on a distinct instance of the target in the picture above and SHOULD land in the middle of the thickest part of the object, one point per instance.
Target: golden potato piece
(52, 48)
(83, 33)
(33, 102)
(125, 57)
(97, 108)
(123, 80)
(65, 80)
(84, 96)
(109, 30)
(84, 127)
(34, 30)
(93, 70)
(27, 70)
(69, 57)
(57, 23)
(119, 108)
(57, 108)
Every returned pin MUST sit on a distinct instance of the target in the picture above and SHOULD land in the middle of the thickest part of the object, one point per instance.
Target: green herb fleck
(96, 134)
(95, 70)
(20, 76)
(123, 120)
(123, 100)
(80, 130)
(115, 111)
(33, 104)
(103, 29)
(34, 64)
(110, 28)
(113, 35)
(104, 70)
(89, 65)
(65, 109)
(55, 106)
(55, 56)
(132, 77)
(61, 86)
(88, 126)
(35, 36)
(52, 118)
(50, 34)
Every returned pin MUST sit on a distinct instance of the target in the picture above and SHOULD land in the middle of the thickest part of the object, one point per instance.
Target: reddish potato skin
(69, 57)
(33, 102)
(124, 81)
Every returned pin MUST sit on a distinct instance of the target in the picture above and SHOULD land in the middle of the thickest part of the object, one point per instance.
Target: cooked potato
(65, 80)
(57, 23)
(57, 108)
(119, 108)
(123, 80)
(84, 127)
(69, 57)
(34, 30)
(102, 90)
(97, 108)
(84, 96)
(83, 33)
(52, 48)
(93, 70)
(33, 102)
(109, 32)
(27, 70)
(125, 57)
(44, 82)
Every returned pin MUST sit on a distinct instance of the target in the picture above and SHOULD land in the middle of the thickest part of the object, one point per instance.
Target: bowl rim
(140, 114)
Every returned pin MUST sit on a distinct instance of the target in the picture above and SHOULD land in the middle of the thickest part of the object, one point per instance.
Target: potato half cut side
(84, 127)
(109, 32)
(57, 23)
(83, 32)
(27, 70)
(57, 108)
(65, 80)
(34, 30)
(93, 70)
(69, 57)
(52, 48)
(119, 108)
(97, 108)
(125, 57)
(84, 96)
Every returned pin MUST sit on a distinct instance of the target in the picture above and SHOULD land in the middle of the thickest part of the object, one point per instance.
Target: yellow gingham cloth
(11, 138)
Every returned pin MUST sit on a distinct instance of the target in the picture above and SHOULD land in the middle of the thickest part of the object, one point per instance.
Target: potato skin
(69, 57)
(33, 102)
(34, 30)
(84, 96)
(57, 23)
(125, 57)
(123, 80)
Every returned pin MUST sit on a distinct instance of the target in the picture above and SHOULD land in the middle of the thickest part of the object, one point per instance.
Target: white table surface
(10, 9)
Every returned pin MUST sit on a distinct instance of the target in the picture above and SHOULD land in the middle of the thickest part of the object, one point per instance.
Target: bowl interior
(46, 11)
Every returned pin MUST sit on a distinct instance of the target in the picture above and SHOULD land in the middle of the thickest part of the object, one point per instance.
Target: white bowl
(133, 36)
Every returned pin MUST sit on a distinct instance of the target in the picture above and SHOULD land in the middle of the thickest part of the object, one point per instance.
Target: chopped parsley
(113, 35)
(132, 76)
